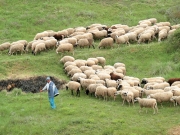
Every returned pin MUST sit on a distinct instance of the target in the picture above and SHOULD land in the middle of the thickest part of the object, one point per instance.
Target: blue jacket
(51, 87)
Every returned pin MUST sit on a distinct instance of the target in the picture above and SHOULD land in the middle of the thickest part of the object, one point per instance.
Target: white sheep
(91, 89)
(99, 34)
(106, 42)
(74, 86)
(176, 92)
(84, 68)
(96, 67)
(101, 91)
(124, 39)
(77, 75)
(5, 46)
(90, 63)
(158, 85)
(148, 92)
(80, 62)
(67, 58)
(147, 103)
(69, 63)
(85, 82)
(111, 83)
(69, 68)
(40, 35)
(50, 44)
(161, 96)
(126, 95)
(145, 37)
(89, 72)
(162, 34)
(175, 100)
(95, 77)
(16, 48)
(101, 60)
(73, 71)
(85, 43)
(65, 47)
(39, 47)
(111, 92)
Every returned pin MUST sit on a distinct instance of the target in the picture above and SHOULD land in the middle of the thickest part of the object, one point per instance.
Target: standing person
(52, 91)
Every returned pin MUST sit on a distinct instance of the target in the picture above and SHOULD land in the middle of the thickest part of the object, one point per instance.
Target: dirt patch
(174, 131)
(31, 84)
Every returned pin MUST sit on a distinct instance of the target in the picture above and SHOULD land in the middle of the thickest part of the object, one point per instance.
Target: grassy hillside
(30, 114)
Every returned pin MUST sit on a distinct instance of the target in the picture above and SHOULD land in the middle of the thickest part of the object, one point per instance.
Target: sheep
(115, 76)
(175, 100)
(103, 76)
(126, 95)
(148, 92)
(111, 83)
(80, 62)
(158, 85)
(161, 96)
(101, 91)
(144, 37)
(73, 71)
(137, 93)
(50, 44)
(121, 83)
(85, 42)
(99, 34)
(40, 35)
(74, 86)
(15, 48)
(100, 82)
(111, 92)
(77, 75)
(132, 36)
(67, 58)
(101, 60)
(85, 82)
(162, 34)
(119, 64)
(5, 46)
(95, 77)
(152, 80)
(65, 47)
(90, 62)
(172, 80)
(147, 103)
(39, 47)
(124, 39)
(153, 20)
(106, 42)
(34, 44)
(71, 40)
(68, 63)
(69, 68)
(89, 72)
(91, 89)
(70, 31)
(96, 67)
(29, 45)
(175, 83)
(84, 68)
(176, 92)
(94, 59)
(169, 88)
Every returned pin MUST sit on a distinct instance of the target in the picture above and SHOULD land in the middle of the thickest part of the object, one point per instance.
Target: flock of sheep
(67, 39)
(93, 75)
(107, 81)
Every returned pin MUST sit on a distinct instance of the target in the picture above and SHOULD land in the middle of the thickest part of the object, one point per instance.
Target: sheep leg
(72, 92)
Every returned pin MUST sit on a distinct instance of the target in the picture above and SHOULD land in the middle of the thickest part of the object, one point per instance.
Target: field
(28, 113)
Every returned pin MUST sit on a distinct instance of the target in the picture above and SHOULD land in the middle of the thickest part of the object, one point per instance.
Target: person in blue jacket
(52, 91)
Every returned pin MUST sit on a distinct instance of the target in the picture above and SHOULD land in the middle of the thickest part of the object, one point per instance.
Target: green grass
(31, 114)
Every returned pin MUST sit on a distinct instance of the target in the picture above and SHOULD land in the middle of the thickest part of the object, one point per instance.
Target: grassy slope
(30, 114)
